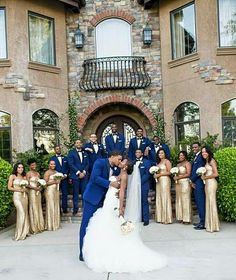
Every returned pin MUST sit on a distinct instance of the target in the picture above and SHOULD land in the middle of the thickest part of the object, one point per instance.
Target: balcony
(112, 73)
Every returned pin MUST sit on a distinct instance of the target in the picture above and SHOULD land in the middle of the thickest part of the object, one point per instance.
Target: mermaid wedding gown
(107, 249)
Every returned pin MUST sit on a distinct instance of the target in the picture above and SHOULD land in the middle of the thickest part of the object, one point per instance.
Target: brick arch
(115, 99)
(112, 14)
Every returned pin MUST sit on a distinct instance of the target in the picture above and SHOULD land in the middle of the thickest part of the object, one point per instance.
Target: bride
(106, 248)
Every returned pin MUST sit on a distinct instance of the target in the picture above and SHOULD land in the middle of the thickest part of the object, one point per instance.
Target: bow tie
(114, 134)
(138, 159)
(95, 143)
(139, 138)
(79, 151)
(58, 155)
(157, 145)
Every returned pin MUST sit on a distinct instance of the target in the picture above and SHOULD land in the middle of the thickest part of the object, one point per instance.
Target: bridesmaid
(20, 199)
(52, 195)
(183, 202)
(163, 197)
(35, 204)
(211, 221)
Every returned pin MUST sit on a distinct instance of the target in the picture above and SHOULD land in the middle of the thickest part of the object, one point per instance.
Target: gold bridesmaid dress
(183, 198)
(211, 220)
(22, 217)
(163, 198)
(52, 195)
(35, 208)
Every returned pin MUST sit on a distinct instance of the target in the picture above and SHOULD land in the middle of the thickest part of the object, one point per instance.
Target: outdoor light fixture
(147, 35)
(79, 38)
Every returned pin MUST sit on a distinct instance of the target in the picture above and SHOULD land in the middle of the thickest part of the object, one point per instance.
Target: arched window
(45, 130)
(119, 33)
(187, 121)
(228, 111)
(5, 136)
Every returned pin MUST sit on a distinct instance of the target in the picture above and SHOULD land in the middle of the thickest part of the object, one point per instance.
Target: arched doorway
(125, 125)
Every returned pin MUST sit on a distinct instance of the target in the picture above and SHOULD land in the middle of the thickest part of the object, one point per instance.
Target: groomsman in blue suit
(94, 150)
(115, 141)
(97, 187)
(62, 166)
(154, 147)
(79, 166)
(144, 166)
(198, 185)
(138, 142)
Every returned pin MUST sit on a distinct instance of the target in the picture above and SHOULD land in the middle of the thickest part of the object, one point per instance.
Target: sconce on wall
(79, 38)
(147, 35)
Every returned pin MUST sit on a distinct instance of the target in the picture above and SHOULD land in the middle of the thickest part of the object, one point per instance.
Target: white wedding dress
(107, 249)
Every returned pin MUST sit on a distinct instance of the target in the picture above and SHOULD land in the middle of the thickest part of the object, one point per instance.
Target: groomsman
(79, 166)
(115, 141)
(138, 142)
(94, 150)
(154, 148)
(198, 185)
(144, 166)
(62, 166)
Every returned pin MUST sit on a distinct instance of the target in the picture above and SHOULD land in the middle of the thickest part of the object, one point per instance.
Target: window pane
(41, 33)
(45, 118)
(5, 120)
(187, 112)
(3, 43)
(183, 130)
(229, 108)
(183, 31)
(227, 23)
(229, 132)
(5, 144)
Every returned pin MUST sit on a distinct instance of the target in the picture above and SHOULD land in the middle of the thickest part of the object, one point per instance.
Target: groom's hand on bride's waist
(115, 184)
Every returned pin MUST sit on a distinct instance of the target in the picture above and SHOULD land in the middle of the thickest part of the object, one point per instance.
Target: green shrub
(226, 194)
(6, 202)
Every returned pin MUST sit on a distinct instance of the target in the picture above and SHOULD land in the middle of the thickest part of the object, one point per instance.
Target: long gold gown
(22, 216)
(35, 208)
(163, 198)
(52, 195)
(211, 220)
(183, 205)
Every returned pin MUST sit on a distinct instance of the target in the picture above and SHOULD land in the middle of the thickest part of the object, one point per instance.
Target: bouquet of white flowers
(125, 226)
(174, 171)
(23, 185)
(201, 171)
(58, 176)
(41, 183)
(154, 170)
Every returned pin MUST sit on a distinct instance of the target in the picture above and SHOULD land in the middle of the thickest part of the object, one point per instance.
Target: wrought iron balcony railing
(110, 73)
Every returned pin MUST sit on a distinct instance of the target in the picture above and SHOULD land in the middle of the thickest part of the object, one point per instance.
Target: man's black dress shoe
(146, 223)
(81, 258)
(65, 212)
(199, 227)
(75, 212)
(196, 224)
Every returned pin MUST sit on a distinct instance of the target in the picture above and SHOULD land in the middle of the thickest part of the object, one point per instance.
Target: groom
(96, 189)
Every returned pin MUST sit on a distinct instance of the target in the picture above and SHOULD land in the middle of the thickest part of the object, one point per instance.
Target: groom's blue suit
(95, 193)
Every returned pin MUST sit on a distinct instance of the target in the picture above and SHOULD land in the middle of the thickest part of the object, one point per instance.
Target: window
(228, 110)
(227, 23)
(45, 130)
(41, 39)
(5, 136)
(3, 41)
(183, 31)
(187, 122)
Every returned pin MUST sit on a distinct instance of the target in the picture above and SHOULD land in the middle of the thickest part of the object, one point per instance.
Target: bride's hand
(121, 212)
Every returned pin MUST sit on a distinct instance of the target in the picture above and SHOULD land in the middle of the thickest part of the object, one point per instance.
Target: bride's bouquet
(57, 177)
(154, 170)
(23, 185)
(125, 226)
(41, 183)
(201, 171)
(174, 171)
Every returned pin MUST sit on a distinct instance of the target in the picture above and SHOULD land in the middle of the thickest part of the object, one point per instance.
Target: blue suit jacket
(64, 168)
(144, 167)
(196, 179)
(152, 153)
(76, 165)
(99, 182)
(133, 146)
(93, 156)
(118, 146)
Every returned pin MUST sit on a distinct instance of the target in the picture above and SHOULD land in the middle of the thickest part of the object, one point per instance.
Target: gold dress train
(163, 198)
(35, 208)
(211, 219)
(183, 205)
(22, 217)
(52, 218)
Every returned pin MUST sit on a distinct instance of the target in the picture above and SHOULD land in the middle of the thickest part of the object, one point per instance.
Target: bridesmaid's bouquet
(174, 171)
(154, 170)
(57, 177)
(201, 171)
(41, 183)
(23, 185)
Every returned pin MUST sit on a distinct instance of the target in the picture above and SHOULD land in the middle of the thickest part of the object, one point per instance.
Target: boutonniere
(115, 168)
